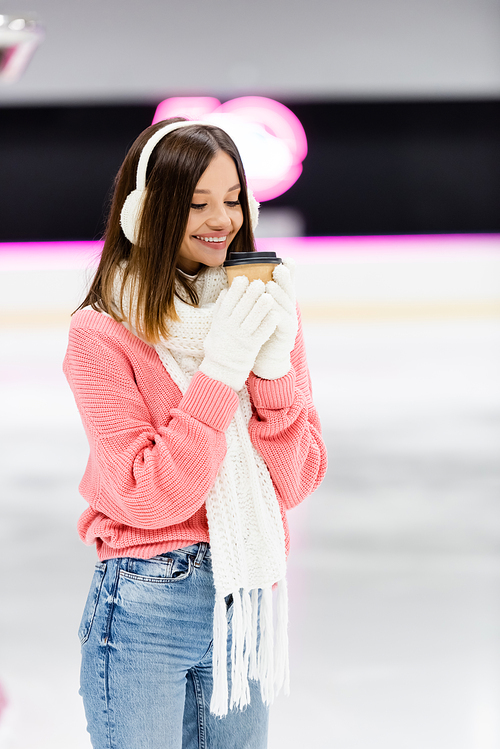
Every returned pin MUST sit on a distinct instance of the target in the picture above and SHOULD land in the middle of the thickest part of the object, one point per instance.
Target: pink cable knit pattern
(154, 454)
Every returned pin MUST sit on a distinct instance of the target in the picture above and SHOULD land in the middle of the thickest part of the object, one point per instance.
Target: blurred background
(385, 188)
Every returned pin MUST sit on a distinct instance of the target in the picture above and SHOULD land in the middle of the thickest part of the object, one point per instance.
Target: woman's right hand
(244, 319)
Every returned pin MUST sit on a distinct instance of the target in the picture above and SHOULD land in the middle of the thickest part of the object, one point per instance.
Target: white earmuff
(130, 216)
(253, 207)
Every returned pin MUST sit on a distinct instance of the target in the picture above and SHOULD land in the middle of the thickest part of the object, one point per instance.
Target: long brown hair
(174, 169)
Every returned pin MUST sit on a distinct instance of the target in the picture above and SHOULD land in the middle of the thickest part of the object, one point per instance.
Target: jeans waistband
(198, 551)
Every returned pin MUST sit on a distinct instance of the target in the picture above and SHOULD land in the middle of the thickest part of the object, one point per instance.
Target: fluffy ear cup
(131, 214)
(253, 206)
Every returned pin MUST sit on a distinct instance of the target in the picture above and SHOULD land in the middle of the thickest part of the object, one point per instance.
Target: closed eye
(229, 203)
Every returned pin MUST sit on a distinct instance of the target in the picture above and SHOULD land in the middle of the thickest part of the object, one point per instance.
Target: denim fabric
(146, 677)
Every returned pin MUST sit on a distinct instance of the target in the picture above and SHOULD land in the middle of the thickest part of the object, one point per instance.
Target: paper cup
(252, 271)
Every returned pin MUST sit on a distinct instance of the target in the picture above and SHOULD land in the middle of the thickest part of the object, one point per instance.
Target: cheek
(191, 227)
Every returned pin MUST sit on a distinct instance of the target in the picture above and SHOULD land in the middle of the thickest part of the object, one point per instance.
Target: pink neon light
(376, 242)
(267, 189)
(276, 119)
(192, 107)
(3, 700)
(32, 256)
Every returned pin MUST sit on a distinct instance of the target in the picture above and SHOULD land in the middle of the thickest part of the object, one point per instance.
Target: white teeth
(212, 239)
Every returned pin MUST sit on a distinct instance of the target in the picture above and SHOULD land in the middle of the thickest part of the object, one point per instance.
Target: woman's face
(215, 216)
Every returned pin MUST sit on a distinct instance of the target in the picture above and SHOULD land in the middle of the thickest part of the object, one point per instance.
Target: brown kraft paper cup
(253, 271)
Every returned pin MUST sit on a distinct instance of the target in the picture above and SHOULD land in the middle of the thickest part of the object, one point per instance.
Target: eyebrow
(207, 192)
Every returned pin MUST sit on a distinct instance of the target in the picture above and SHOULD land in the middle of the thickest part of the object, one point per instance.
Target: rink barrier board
(440, 254)
(310, 313)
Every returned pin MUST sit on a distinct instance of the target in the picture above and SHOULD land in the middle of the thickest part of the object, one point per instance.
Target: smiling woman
(212, 225)
(196, 401)
(175, 166)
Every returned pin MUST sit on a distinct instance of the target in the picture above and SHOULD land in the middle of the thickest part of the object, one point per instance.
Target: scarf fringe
(267, 663)
(218, 703)
(253, 672)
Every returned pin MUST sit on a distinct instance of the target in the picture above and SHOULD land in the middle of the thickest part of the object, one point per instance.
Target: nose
(219, 218)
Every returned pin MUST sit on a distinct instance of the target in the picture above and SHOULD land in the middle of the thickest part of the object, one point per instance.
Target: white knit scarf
(247, 539)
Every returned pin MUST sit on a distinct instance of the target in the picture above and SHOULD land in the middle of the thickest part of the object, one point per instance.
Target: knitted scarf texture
(247, 538)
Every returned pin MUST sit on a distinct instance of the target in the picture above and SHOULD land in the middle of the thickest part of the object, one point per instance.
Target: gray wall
(121, 50)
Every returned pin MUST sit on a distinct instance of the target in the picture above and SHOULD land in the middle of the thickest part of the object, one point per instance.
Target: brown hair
(174, 169)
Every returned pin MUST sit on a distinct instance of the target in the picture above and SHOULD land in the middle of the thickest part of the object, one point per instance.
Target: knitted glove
(244, 319)
(273, 360)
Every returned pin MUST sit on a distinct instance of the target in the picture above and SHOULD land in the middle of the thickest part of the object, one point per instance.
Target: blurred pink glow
(32, 256)
(3, 700)
(277, 121)
(266, 189)
(192, 107)
(276, 118)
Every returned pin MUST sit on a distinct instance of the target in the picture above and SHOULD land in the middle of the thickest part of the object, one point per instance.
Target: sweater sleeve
(285, 429)
(139, 475)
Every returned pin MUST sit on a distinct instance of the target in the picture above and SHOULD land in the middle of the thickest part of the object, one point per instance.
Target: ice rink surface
(394, 570)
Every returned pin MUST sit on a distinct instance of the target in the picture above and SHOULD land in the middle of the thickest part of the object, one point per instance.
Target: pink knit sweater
(154, 454)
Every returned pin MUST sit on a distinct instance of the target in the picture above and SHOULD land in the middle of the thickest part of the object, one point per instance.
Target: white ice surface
(395, 563)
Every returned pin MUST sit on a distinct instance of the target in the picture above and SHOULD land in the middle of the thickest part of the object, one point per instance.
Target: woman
(197, 405)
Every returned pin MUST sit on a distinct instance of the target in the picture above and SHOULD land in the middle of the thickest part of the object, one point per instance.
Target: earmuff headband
(142, 166)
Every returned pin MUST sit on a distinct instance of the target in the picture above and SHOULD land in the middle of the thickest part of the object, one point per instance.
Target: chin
(214, 263)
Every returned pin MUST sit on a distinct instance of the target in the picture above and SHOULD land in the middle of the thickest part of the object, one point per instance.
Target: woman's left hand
(273, 360)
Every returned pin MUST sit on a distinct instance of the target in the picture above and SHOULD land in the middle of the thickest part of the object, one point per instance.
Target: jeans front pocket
(91, 603)
(166, 568)
(153, 587)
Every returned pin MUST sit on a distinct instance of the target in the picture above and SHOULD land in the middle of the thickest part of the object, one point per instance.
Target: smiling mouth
(211, 240)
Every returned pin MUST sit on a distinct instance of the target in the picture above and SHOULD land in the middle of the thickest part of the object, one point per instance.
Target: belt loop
(202, 550)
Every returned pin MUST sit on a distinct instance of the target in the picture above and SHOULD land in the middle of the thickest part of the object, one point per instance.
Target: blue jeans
(146, 677)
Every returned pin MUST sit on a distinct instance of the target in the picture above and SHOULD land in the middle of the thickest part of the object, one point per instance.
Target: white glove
(273, 360)
(244, 318)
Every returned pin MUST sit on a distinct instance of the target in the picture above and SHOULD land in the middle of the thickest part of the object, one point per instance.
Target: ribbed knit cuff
(271, 369)
(272, 394)
(210, 401)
